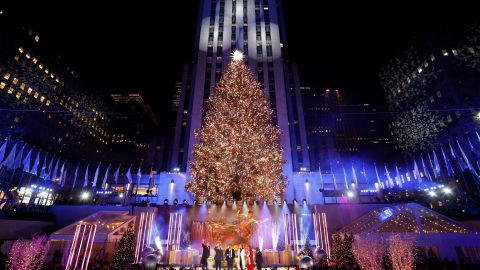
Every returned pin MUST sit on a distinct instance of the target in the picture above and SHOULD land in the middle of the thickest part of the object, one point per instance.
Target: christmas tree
(239, 154)
(28, 254)
(124, 253)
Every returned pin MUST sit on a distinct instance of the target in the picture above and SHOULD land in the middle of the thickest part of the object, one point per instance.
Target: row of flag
(432, 167)
(51, 168)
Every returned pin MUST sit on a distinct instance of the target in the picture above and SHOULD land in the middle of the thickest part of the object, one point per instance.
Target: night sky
(134, 46)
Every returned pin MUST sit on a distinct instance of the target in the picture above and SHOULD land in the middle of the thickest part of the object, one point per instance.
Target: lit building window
(6, 76)
(16, 58)
(40, 66)
(46, 70)
(47, 103)
(29, 91)
(18, 95)
(35, 95)
(455, 52)
(20, 49)
(42, 98)
(2, 85)
(35, 60)
(22, 86)
(37, 38)
(10, 90)
(15, 81)
(445, 53)
(28, 55)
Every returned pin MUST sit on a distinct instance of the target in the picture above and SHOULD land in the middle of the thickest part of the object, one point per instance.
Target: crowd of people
(246, 258)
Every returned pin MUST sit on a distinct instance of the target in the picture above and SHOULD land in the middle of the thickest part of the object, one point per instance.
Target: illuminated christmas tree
(239, 154)
(124, 255)
(28, 254)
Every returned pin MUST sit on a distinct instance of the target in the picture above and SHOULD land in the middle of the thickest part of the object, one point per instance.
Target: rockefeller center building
(257, 29)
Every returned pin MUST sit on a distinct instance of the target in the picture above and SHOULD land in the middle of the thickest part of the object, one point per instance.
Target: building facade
(47, 103)
(342, 130)
(135, 133)
(256, 28)
(434, 84)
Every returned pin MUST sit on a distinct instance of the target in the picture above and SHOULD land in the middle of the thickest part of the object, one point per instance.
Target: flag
(139, 175)
(9, 161)
(116, 174)
(95, 176)
(345, 176)
(354, 176)
(75, 176)
(62, 170)
(63, 178)
(3, 150)
(367, 180)
(398, 178)
(436, 163)
(390, 180)
(416, 172)
(465, 158)
(53, 177)
(43, 172)
(26, 161)
(431, 165)
(333, 177)
(85, 182)
(376, 172)
(447, 162)
(129, 175)
(34, 168)
(105, 177)
(425, 170)
(49, 169)
(18, 159)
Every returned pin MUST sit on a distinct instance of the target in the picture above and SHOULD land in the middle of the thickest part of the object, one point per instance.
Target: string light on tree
(238, 156)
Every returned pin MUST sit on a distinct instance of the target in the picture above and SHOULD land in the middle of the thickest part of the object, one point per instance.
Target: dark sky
(135, 46)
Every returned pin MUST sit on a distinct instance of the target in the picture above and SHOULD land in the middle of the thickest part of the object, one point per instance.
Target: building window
(209, 51)
(269, 50)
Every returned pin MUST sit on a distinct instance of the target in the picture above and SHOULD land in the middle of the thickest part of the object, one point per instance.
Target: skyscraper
(256, 28)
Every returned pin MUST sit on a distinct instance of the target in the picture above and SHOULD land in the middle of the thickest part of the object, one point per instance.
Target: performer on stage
(230, 255)
(259, 259)
(250, 264)
(205, 255)
(218, 258)
(241, 259)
